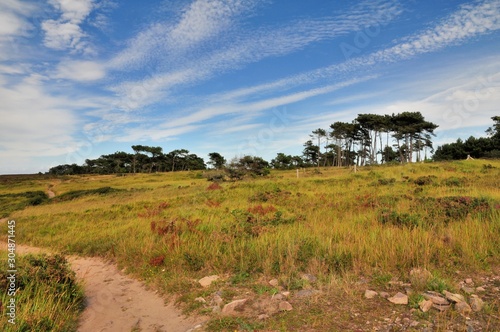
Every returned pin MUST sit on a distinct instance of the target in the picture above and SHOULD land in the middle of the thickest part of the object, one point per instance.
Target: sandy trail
(118, 303)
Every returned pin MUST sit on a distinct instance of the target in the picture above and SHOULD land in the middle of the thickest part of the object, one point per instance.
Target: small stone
(476, 303)
(216, 309)
(468, 290)
(200, 299)
(285, 306)
(441, 307)
(232, 307)
(469, 281)
(263, 317)
(274, 282)
(207, 281)
(454, 297)
(309, 277)
(480, 289)
(306, 293)
(414, 323)
(369, 294)
(217, 299)
(399, 298)
(436, 298)
(425, 305)
(463, 308)
(384, 295)
(286, 294)
(277, 297)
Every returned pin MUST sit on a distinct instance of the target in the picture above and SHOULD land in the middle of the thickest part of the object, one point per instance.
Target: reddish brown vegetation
(214, 186)
(157, 261)
(213, 204)
(260, 210)
(154, 211)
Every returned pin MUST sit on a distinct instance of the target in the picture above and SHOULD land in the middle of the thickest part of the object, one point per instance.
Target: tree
(311, 153)
(217, 161)
(319, 134)
(282, 161)
(247, 165)
(410, 126)
(175, 155)
(345, 135)
(494, 131)
(373, 124)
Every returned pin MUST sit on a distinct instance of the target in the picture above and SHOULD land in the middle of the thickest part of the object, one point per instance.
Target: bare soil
(115, 302)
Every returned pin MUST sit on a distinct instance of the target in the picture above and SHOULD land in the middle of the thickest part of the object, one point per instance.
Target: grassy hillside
(339, 226)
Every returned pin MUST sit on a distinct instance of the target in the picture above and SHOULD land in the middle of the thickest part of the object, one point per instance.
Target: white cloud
(467, 22)
(66, 33)
(262, 43)
(82, 71)
(13, 17)
(201, 21)
(34, 123)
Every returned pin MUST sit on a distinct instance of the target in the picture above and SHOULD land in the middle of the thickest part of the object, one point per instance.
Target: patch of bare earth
(115, 302)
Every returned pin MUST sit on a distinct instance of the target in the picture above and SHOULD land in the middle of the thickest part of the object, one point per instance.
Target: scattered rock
(306, 293)
(425, 305)
(441, 307)
(384, 295)
(369, 294)
(399, 298)
(232, 307)
(207, 281)
(274, 282)
(455, 298)
(217, 300)
(480, 289)
(469, 281)
(286, 294)
(277, 297)
(468, 290)
(436, 298)
(285, 306)
(463, 308)
(263, 317)
(200, 299)
(309, 277)
(476, 303)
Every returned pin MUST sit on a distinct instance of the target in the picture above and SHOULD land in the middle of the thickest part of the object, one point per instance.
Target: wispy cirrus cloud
(266, 42)
(466, 23)
(197, 24)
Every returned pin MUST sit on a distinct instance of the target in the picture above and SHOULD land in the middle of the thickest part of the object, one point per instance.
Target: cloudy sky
(82, 78)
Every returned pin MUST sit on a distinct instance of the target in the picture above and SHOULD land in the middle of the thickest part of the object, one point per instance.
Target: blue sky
(82, 78)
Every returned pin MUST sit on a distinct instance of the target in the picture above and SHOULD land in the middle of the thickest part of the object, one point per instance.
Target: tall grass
(172, 228)
(48, 297)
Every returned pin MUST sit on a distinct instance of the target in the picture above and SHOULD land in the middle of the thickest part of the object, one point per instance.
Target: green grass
(48, 297)
(174, 228)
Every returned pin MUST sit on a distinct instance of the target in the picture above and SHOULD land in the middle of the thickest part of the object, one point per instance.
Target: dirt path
(51, 186)
(118, 303)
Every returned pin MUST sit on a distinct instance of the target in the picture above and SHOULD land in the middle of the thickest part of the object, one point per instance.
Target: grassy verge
(47, 297)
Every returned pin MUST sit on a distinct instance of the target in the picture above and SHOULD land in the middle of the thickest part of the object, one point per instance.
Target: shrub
(386, 182)
(71, 195)
(399, 219)
(425, 180)
(453, 208)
